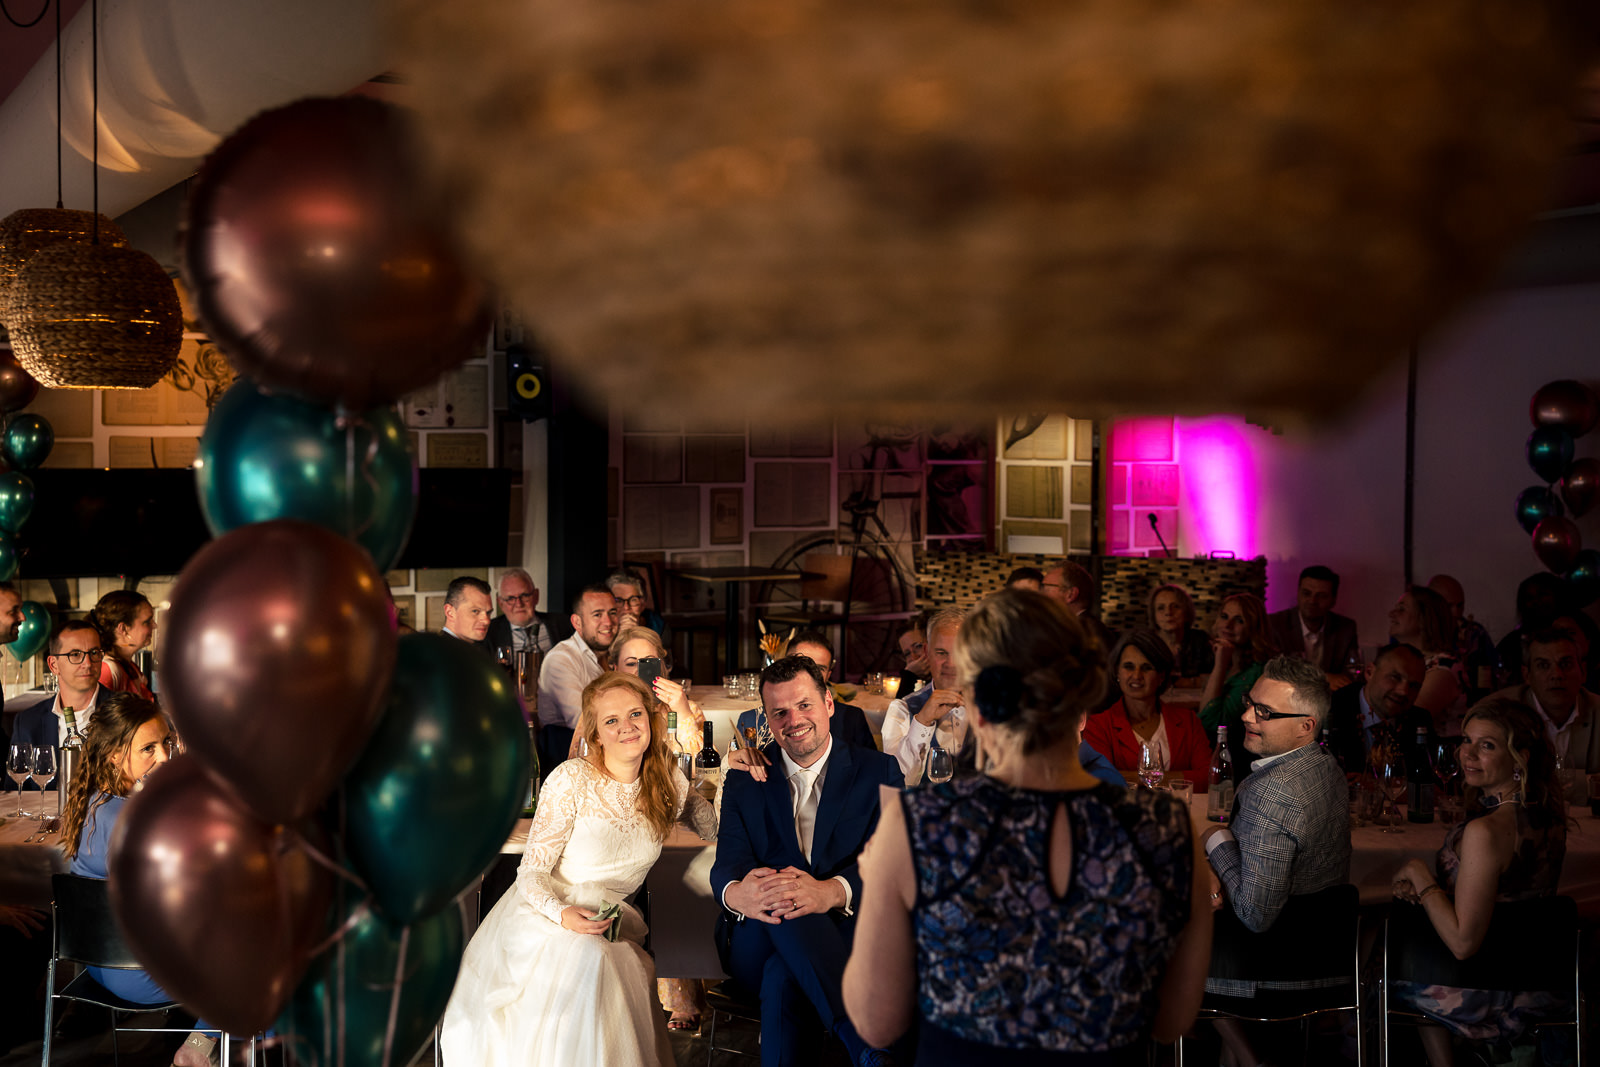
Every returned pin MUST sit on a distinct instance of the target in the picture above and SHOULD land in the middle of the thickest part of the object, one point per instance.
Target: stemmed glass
(1152, 767)
(43, 770)
(941, 765)
(1447, 768)
(19, 765)
(1392, 779)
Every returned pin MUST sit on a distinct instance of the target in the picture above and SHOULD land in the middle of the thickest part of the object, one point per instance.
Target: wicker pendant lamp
(85, 310)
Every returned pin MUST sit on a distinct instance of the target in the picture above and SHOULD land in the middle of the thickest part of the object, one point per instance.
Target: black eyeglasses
(1266, 714)
(629, 601)
(516, 598)
(76, 656)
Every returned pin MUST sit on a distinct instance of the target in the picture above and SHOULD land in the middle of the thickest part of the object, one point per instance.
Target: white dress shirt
(570, 666)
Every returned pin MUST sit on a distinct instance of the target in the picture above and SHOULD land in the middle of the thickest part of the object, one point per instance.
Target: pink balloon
(321, 263)
(221, 908)
(280, 641)
(1566, 404)
(1557, 542)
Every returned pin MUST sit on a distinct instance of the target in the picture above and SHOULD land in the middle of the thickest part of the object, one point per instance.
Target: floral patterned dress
(1005, 963)
(1534, 870)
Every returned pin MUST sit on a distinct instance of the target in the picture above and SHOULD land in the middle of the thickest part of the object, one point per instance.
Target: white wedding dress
(532, 992)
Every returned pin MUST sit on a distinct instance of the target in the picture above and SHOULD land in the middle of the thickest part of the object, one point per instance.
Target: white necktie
(805, 811)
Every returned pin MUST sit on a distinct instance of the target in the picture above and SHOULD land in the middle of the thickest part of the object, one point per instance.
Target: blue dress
(1009, 972)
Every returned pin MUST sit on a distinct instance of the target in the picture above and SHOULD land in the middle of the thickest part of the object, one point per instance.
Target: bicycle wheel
(880, 596)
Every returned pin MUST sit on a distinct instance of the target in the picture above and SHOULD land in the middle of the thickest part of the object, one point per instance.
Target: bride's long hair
(658, 800)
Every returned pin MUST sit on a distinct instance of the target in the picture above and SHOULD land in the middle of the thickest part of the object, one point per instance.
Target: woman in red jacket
(1142, 665)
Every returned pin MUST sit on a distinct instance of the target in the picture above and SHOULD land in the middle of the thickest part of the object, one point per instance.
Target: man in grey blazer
(1553, 686)
(1312, 630)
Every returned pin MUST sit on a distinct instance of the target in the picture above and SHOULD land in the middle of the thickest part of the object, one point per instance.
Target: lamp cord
(36, 18)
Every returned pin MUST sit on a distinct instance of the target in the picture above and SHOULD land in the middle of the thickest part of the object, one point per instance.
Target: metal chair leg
(49, 1008)
(116, 1057)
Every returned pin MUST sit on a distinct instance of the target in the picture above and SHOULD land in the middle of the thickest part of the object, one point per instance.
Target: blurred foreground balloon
(221, 908)
(34, 632)
(28, 440)
(358, 1000)
(9, 557)
(1584, 577)
(17, 386)
(16, 500)
(1581, 486)
(269, 456)
(279, 639)
(1556, 541)
(319, 261)
(1535, 504)
(1549, 452)
(1565, 405)
(445, 772)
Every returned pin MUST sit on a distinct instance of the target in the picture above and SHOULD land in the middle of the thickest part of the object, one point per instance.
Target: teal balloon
(370, 965)
(269, 456)
(9, 558)
(1536, 504)
(445, 772)
(33, 633)
(1549, 452)
(1584, 577)
(16, 500)
(28, 441)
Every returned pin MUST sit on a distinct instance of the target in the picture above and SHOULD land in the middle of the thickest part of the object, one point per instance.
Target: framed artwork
(727, 516)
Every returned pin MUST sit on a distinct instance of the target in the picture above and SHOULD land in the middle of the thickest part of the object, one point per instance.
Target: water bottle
(1219, 797)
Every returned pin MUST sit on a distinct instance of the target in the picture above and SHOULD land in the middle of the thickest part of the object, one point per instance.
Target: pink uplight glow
(1221, 486)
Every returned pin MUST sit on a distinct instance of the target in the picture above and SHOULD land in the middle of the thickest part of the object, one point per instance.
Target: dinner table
(25, 869)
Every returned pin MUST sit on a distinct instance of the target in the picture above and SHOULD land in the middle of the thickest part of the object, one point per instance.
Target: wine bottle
(684, 758)
(1219, 797)
(1420, 780)
(707, 763)
(67, 758)
(530, 802)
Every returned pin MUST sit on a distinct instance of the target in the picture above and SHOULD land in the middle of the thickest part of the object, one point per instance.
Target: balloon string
(359, 912)
(332, 864)
(339, 950)
(349, 474)
(394, 997)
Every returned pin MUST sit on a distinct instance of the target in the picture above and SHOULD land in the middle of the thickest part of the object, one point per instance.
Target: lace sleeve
(694, 811)
(552, 827)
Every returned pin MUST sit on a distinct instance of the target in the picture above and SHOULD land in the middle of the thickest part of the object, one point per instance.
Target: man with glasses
(632, 610)
(519, 625)
(74, 658)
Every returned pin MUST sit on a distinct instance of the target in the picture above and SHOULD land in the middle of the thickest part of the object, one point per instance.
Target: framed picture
(727, 516)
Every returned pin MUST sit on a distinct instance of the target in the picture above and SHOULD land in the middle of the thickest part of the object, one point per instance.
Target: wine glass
(1152, 766)
(1447, 768)
(41, 771)
(941, 765)
(1392, 779)
(19, 765)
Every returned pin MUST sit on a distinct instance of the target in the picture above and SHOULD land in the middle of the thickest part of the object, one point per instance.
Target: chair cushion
(86, 989)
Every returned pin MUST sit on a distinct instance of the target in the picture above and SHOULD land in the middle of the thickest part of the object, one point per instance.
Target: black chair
(735, 1001)
(1316, 938)
(86, 933)
(1532, 945)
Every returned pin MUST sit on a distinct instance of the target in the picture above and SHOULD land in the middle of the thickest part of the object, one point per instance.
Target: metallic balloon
(28, 441)
(1565, 405)
(1535, 504)
(1581, 487)
(446, 772)
(16, 500)
(1556, 541)
(320, 262)
(1549, 452)
(279, 640)
(359, 998)
(270, 456)
(33, 633)
(17, 386)
(1584, 578)
(9, 558)
(223, 909)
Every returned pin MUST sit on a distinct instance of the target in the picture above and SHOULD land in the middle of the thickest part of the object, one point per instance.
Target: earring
(1516, 775)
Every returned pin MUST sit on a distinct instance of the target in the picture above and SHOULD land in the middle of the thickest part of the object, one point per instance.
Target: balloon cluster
(1561, 413)
(25, 443)
(299, 863)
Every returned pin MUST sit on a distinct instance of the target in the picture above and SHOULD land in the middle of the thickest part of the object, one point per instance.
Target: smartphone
(649, 670)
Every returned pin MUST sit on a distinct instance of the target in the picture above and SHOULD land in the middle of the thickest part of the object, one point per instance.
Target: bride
(540, 983)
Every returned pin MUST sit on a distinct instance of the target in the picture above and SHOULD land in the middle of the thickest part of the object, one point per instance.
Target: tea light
(891, 686)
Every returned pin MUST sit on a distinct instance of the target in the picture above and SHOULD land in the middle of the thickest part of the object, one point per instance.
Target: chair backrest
(1314, 936)
(1529, 946)
(86, 931)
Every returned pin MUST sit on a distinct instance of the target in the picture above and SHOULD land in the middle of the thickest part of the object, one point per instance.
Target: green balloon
(371, 958)
(28, 441)
(16, 500)
(446, 771)
(33, 633)
(269, 456)
(9, 558)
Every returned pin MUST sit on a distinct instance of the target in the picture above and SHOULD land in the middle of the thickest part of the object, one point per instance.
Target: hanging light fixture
(24, 232)
(94, 314)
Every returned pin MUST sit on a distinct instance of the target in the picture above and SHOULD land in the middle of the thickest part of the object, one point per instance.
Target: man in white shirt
(570, 666)
(911, 720)
(1553, 676)
(786, 868)
(74, 658)
(467, 609)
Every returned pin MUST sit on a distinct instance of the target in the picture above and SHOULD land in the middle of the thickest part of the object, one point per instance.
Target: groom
(786, 866)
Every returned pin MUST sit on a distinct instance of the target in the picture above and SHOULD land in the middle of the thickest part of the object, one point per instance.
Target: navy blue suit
(798, 962)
